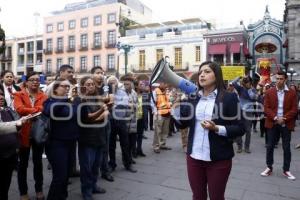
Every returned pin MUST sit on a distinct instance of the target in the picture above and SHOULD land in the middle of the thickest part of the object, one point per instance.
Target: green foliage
(124, 24)
(2, 40)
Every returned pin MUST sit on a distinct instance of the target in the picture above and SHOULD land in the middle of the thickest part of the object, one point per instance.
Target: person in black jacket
(213, 119)
(8, 87)
(62, 137)
(10, 123)
(92, 138)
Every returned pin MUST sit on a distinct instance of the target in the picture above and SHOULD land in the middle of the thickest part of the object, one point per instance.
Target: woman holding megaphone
(214, 121)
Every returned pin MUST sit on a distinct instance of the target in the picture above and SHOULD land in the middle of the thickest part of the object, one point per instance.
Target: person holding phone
(30, 101)
(214, 121)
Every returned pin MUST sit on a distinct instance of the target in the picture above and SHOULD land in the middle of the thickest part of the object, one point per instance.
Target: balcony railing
(59, 50)
(47, 51)
(141, 70)
(83, 47)
(71, 49)
(110, 45)
(83, 70)
(96, 46)
(108, 69)
(186, 68)
(4, 58)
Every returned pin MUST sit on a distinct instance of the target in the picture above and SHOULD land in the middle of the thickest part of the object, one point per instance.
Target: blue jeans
(89, 160)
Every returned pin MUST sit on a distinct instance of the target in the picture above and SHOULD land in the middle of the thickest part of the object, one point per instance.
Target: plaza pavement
(163, 176)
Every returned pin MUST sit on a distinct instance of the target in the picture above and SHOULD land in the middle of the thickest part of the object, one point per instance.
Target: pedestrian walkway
(163, 176)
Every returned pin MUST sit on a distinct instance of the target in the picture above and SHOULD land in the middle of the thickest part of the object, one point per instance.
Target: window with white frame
(60, 43)
(96, 61)
(111, 37)
(72, 24)
(84, 22)
(49, 28)
(111, 18)
(97, 20)
(111, 61)
(71, 42)
(83, 40)
(59, 62)
(71, 61)
(48, 66)
(83, 63)
(49, 44)
(60, 26)
(97, 39)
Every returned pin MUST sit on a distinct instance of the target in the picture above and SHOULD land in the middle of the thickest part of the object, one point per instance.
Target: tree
(2, 40)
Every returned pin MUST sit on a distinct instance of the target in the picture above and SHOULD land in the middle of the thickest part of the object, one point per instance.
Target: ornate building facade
(266, 39)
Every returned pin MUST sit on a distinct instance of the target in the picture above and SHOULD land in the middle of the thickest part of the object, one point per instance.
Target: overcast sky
(17, 16)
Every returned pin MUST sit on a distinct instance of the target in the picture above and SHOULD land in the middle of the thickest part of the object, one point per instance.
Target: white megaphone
(163, 73)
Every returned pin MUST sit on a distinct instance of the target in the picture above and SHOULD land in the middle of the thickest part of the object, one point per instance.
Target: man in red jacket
(280, 108)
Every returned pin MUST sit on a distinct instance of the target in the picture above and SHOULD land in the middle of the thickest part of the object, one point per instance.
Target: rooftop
(169, 26)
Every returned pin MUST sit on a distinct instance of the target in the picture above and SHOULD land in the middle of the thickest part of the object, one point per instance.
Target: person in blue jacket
(64, 131)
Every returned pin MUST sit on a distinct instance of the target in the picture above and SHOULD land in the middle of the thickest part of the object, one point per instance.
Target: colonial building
(266, 38)
(292, 29)
(227, 46)
(23, 55)
(6, 58)
(85, 34)
(182, 41)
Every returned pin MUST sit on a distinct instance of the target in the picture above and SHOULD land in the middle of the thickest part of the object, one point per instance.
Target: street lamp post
(291, 72)
(126, 48)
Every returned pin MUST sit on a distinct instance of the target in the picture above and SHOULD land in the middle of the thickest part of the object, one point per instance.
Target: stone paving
(163, 176)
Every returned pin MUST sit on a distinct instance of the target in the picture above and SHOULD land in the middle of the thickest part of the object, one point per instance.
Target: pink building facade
(85, 35)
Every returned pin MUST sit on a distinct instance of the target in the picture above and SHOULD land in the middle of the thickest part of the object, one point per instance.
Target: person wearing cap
(247, 95)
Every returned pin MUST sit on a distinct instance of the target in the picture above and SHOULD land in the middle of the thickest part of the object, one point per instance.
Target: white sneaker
(289, 175)
(267, 172)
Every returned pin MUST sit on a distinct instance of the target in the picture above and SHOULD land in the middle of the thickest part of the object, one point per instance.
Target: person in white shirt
(8, 87)
(214, 121)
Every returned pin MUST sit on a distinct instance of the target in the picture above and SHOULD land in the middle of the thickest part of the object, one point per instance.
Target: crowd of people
(91, 114)
(87, 116)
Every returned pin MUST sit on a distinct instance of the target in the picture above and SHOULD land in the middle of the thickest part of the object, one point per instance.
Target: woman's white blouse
(204, 111)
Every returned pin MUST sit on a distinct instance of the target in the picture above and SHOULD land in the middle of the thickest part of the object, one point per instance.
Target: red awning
(235, 48)
(246, 51)
(217, 49)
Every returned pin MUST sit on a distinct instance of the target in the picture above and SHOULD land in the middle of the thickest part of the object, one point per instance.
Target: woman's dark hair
(5, 72)
(220, 86)
(30, 74)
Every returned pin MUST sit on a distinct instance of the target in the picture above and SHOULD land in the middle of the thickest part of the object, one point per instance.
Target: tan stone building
(181, 40)
(85, 34)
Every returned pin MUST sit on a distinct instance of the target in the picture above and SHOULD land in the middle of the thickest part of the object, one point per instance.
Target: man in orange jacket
(161, 111)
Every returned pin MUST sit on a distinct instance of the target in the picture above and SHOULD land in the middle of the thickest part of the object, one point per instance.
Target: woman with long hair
(214, 121)
(29, 101)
